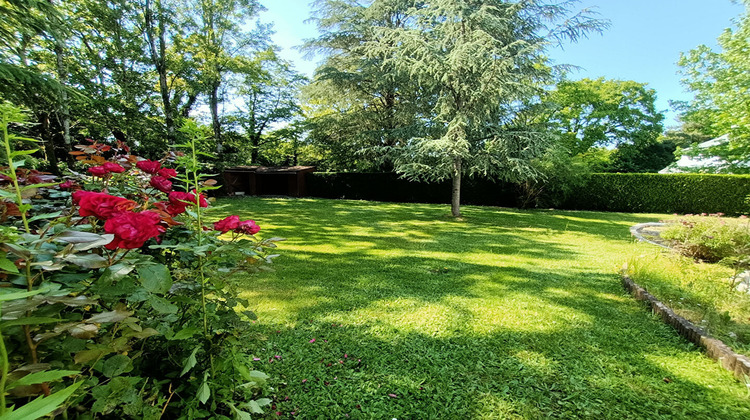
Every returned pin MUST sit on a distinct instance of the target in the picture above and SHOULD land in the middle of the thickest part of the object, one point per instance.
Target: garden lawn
(381, 310)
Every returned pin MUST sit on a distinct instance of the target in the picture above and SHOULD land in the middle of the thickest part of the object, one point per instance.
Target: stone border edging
(738, 364)
(637, 231)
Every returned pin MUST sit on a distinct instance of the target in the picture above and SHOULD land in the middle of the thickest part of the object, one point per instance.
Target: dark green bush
(663, 193)
(390, 187)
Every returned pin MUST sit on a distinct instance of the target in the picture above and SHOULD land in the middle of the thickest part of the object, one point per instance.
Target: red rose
(99, 171)
(148, 166)
(203, 201)
(160, 183)
(67, 185)
(227, 224)
(179, 200)
(113, 167)
(132, 230)
(248, 227)
(101, 205)
(168, 173)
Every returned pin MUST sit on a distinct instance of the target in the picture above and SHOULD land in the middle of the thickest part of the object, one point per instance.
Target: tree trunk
(214, 105)
(49, 145)
(254, 147)
(62, 76)
(456, 196)
(158, 59)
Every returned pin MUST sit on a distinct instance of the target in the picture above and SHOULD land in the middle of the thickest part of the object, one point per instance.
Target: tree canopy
(134, 70)
(597, 113)
(719, 80)
(482, 59)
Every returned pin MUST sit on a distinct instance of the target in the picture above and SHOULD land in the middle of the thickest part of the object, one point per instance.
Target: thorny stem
(3, 373)
(27, 263)
(199, 231)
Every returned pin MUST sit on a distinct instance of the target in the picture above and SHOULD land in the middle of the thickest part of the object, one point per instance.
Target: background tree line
(430, 90)
(135, 70)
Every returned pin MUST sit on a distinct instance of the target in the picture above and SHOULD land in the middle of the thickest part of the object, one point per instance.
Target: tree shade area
(398, 311)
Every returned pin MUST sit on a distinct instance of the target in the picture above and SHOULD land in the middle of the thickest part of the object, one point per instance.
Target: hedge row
(663, 193)
(390, 187)
(638, 193)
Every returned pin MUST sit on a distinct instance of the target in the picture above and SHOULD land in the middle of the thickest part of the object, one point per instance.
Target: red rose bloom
(99, 171)
(160, 183)
(113, 167)
(227, 224)
(132, 230)
(101, 205)
(67, 185)
(248, 227)
(148, 166)
(168, 173)
(178, 201)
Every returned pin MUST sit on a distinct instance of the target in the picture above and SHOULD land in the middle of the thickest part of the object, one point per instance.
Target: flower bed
(116, 293)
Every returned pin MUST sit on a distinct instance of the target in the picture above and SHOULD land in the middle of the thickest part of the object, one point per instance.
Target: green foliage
(130, 70)
(699, 292)
(597, 113)
(561, 175)
(359, 102)
(268, 100)
(649, 158)
(480, 62)
(664, 193)
(719, 105)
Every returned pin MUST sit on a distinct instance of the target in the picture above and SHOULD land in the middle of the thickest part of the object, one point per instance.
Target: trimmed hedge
(634, 193)
(390, 187)
(663, 193)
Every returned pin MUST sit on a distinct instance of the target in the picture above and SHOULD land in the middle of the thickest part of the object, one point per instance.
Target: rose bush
(116, 297)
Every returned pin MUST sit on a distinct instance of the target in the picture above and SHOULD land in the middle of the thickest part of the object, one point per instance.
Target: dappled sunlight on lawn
(395, 308)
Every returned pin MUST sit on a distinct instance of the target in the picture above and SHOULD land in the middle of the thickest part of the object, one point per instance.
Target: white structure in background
(699, 164)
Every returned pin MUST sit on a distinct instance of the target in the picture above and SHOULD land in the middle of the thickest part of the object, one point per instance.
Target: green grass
(505, 314)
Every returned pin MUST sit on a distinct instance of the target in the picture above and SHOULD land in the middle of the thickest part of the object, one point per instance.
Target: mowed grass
(381, 310)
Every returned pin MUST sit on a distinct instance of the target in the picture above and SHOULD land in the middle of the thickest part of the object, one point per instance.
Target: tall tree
(482, 58)
(597, 113)
(267, 101)
(156, 19)
(32, 31)
(719, 80)
(223, 42)
(359, 102)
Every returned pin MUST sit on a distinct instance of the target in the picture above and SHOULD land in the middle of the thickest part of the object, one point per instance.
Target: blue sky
(643, 43)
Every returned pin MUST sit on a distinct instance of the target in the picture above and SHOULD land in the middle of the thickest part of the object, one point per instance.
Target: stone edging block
(738, 364)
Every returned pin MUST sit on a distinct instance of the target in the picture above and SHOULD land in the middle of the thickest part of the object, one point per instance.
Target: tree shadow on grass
(397, 313)
(599, 355)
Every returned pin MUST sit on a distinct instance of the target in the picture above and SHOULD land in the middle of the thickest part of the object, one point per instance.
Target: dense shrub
(116, 294)
(663, 193)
